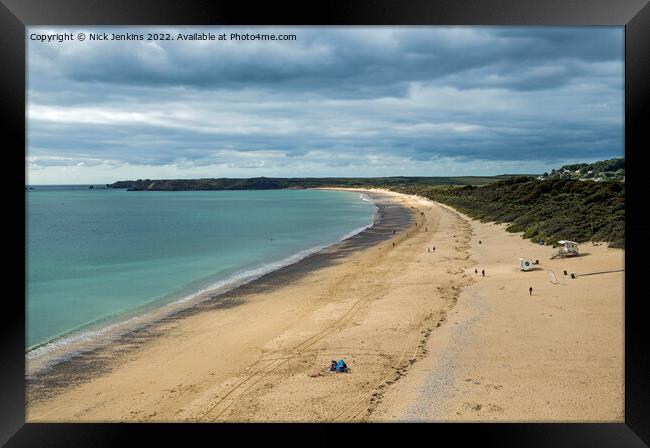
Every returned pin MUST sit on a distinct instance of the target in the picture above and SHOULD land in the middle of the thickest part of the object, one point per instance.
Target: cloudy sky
(360, 101)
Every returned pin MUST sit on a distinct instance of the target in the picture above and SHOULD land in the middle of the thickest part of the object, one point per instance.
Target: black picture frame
(15, 15)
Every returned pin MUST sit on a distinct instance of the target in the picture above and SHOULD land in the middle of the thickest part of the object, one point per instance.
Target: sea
(97, 258)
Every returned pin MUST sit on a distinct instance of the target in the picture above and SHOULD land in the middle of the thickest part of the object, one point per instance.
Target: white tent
(567, 249)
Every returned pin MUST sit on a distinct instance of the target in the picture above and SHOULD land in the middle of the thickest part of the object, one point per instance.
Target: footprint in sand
(472, 406)
(494, 408)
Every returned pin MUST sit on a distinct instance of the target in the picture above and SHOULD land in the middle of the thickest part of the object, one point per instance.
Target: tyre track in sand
(252, 379)
(412, 347)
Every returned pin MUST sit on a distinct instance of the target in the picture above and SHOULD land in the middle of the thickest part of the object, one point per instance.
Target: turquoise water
(94, 254)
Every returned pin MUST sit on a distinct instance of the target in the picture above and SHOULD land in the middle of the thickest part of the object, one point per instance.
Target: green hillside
(548, 210)
(612, 169)
(276, 183)
(562, 205)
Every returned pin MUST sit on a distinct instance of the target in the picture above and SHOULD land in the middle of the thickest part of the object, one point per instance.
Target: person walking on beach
(530, 291)
(483, 272)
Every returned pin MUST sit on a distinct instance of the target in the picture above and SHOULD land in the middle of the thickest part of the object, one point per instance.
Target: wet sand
(252, 316)
(413, 324)
(104, 355)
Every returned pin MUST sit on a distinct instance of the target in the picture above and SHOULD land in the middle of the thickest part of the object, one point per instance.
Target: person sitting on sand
(475, 271)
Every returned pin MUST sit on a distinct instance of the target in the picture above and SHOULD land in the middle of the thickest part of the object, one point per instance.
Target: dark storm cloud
(366, 62)
(407, 97)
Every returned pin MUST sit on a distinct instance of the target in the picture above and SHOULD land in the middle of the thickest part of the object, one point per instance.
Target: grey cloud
(404, 96)
(338, 62)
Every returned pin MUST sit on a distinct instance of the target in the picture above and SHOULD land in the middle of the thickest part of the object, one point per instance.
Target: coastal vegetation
(580, 202)
(611, 169)
(276, 183)
(544, 210)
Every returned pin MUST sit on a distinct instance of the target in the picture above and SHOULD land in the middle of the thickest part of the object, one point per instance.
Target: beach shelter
(525, 265)
(567, 249)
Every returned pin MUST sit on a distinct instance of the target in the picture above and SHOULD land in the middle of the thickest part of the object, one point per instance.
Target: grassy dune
(548, 210)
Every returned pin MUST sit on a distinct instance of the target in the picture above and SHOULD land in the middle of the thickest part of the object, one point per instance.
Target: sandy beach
(506, 355)
(425, 337)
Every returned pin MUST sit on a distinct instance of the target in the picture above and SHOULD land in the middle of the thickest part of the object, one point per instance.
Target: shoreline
(161, 307)
(80, 360)
(426, 339)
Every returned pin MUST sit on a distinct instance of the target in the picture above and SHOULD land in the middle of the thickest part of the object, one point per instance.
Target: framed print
(351, 212)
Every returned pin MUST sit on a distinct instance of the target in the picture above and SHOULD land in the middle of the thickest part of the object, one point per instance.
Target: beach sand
(424, 337)
(508, 356)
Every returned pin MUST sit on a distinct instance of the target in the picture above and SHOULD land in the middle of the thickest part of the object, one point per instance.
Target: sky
(336, 101)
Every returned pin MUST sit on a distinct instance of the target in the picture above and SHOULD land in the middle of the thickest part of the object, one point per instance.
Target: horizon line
(274, 177)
